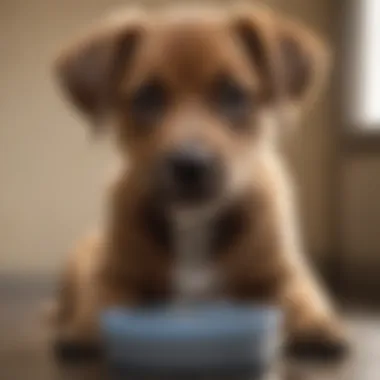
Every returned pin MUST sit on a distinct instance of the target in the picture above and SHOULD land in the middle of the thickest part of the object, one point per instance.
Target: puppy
(202, 208)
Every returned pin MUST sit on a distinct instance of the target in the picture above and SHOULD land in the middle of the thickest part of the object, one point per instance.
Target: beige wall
(51, 176)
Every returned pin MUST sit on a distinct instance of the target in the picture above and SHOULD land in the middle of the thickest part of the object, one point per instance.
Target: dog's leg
(78, 338)
(85, 293)
(313, 329)
(92, 300)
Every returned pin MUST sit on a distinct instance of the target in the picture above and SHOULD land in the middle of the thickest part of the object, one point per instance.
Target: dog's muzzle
(191, 174)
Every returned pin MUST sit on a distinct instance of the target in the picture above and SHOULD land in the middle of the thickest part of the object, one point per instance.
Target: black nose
(190, 167)
(191, 172)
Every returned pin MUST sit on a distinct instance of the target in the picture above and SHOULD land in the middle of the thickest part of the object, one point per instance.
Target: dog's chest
(195, 275)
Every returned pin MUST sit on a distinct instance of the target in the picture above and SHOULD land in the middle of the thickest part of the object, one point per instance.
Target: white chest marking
(195, 274)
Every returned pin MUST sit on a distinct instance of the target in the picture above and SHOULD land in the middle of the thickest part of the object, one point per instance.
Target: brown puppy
(197, 100)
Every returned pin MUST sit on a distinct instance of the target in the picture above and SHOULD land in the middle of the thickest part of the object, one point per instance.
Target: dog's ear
(88, 69)
(293, 60)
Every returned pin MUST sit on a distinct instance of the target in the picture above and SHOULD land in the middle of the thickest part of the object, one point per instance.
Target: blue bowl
(204, 338)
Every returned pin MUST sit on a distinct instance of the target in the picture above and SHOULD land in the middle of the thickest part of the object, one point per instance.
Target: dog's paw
(75, 352)
(317, 346)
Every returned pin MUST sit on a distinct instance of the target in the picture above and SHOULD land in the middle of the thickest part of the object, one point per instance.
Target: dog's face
(197, 98)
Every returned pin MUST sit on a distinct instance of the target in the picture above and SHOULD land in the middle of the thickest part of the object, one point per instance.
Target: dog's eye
(231, 99)
(149, 101)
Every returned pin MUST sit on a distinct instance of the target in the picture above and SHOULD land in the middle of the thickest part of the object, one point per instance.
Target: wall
(51, 175)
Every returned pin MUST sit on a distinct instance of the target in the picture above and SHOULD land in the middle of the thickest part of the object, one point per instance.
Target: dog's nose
(190, 167)
(191, 173)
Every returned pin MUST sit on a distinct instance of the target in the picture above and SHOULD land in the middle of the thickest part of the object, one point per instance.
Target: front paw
(317, 345)
(69, 351)
(76, 346)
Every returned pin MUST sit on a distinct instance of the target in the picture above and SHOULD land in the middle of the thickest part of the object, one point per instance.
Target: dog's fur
(253, 251)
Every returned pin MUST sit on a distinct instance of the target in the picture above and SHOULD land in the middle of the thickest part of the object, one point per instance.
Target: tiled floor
(24, 353)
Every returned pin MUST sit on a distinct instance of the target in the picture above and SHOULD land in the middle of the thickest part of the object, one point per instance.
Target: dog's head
(197, 97)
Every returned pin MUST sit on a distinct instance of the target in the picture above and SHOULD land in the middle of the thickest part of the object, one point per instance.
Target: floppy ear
(304, 61)
(88, 69)
(293, 60)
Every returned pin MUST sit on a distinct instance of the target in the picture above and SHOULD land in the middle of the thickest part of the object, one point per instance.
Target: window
(363, 76)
